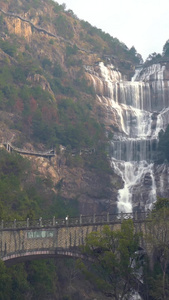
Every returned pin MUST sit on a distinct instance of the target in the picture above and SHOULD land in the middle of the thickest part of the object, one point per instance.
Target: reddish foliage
(19, 105)
(49, 114)
(33, 105)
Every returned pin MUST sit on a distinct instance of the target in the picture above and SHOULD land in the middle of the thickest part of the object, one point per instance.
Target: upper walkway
(9, 147)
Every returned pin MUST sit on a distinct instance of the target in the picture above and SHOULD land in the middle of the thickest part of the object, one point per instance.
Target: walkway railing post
(14, 223)
(27, 222)
(92, 219)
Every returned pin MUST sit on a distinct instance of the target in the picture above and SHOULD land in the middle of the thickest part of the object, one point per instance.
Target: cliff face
(137, 110)
(95, 193)
(148, 90)
(18, 27)
(65, 83)
(49, 99)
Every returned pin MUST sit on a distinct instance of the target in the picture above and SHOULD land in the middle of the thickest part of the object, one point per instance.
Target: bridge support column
(27, 222)
(94, 218)
(2, 224)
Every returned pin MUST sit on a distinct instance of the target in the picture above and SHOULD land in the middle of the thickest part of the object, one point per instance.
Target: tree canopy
(156, 272)
(114, 260)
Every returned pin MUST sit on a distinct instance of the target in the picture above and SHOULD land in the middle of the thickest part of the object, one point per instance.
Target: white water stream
(140, 108)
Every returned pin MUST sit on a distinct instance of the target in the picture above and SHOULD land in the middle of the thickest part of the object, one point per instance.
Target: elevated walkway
(30, 239)
(47, 154)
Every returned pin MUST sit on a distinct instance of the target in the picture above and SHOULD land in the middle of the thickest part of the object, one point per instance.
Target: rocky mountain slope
(47, 100)
(68, 106)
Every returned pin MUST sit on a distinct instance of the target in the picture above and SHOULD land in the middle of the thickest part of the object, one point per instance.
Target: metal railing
(74, 221)
(10, 147)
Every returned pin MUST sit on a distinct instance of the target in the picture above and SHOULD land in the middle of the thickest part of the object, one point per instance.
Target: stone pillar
(80, 220)
(27, 222)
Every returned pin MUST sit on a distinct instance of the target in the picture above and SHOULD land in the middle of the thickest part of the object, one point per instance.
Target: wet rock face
(137, 180)
(162, 179)
(147, 179)
(135, 111)
(148, 91)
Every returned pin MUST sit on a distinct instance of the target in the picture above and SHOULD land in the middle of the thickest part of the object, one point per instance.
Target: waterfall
(139, 110)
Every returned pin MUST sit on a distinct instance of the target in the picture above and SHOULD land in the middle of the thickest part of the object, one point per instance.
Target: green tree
(42, 278)
(5, 282)
(157, 271)
(114, 264)
(166, 49)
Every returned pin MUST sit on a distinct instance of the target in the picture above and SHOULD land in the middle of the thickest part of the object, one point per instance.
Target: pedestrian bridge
(32, 239)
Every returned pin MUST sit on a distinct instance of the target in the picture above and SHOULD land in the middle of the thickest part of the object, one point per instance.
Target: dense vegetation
(114, 265)
(26, 195)
(39, 88)
(49, 102)
(118, 268)
(155, 58)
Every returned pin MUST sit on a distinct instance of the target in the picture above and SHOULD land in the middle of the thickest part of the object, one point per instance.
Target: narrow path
(48, 154)
(43, 30)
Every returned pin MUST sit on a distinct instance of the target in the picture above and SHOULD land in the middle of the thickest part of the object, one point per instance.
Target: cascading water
(139, 109)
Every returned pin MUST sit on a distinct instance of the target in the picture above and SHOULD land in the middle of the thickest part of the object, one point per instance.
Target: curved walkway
(10, 148)
(42, 29)
(30, 239)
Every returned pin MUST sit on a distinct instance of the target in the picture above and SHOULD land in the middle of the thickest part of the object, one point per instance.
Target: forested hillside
(47, 102)
(43, 54)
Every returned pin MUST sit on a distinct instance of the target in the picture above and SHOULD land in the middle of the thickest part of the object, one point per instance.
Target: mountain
(48, 105)
(48, 101)
(83, 130)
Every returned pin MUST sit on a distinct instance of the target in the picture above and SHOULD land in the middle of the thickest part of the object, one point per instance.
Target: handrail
(75, 221)
(39, 153)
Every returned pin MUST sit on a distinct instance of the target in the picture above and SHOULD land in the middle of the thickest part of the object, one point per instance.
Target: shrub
(64, 28)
